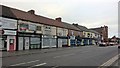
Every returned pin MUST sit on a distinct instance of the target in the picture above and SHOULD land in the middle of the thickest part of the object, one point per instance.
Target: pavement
(56, 57)
(34, 51)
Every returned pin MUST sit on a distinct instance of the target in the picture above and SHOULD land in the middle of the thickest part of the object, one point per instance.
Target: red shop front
(9, 40)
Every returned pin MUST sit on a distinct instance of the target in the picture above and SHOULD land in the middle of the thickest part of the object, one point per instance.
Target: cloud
(53, 10)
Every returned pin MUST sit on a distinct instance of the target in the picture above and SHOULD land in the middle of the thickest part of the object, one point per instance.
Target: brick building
(103, 30)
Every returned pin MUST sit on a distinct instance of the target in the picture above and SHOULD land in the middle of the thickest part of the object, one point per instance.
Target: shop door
(11, 44)
(64, 42)
(27, 43)
(53, 42)
(59, 42)
(46, 43)
(20, 45)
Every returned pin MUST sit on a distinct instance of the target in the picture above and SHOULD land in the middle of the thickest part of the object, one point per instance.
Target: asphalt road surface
(75, 56)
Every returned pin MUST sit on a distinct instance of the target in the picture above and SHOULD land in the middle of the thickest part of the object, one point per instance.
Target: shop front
(8, 39)
(29, 35)
(79, 40)
(72, 41)
(49, 41)
(86, 41)
(29, 41)
(62, 41)
(90, 41)
(62, 37)
(49, 38)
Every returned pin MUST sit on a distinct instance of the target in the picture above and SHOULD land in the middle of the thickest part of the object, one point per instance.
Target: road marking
(56, 56)
(41, 64)
(38, 65)
(24, 63)
(110, 62)
(63, 55)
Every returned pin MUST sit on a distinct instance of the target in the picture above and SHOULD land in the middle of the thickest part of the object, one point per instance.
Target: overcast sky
(89, 13)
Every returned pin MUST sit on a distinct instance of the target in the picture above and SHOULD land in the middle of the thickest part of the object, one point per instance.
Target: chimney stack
(31, 11)
(59, 19)
(75, 24)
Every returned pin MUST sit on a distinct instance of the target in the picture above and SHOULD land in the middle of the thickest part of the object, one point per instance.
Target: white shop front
(29, 35)
(9, 27)
(49, 37)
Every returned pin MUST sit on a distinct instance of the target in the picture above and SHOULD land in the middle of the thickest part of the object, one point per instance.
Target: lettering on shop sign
(9, 32)
(8, 23)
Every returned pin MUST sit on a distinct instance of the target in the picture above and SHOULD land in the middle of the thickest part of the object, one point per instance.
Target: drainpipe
(17, 37)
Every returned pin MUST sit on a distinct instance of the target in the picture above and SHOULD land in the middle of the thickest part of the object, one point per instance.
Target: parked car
(111, 43)
(102, 44)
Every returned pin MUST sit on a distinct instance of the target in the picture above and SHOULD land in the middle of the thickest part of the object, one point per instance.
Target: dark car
(119, 46)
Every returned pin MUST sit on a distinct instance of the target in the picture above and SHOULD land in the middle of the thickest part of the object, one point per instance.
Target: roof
(81, 28)
(22, 15)
(97, 29)
(94, 31)
(70, 26)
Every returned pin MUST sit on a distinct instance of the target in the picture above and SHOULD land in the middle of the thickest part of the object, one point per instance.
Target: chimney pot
(59, 19)
(31, 11)
(75, 24)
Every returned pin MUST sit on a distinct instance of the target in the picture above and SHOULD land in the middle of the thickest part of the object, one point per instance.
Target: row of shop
(36, 32)
(38, 41)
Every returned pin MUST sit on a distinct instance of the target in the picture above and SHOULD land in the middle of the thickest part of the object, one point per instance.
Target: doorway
(23, 43)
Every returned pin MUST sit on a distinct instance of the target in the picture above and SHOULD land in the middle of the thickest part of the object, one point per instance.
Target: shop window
(84, 33)
(39, 28)
(48, 28)
(88, 34)
(34, 42)
(91, 35)
(32, 27)
(11, 41)
(23, 26)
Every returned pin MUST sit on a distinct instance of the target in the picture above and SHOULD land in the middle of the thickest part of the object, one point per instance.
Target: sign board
(9, 32)
(8, 23)
(25, 26)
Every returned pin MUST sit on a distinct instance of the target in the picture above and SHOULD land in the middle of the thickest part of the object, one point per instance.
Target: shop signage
(23, 26)
(9, 32)
(8, 23)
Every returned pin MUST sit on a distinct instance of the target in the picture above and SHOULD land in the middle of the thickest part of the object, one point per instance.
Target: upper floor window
(23, 26)
(48, 28)
(39, 28)
(32, 27)
(84, 33)
(91, 35)
(88, 34)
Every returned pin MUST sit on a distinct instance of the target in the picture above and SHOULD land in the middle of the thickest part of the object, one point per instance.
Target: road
(75, 56)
